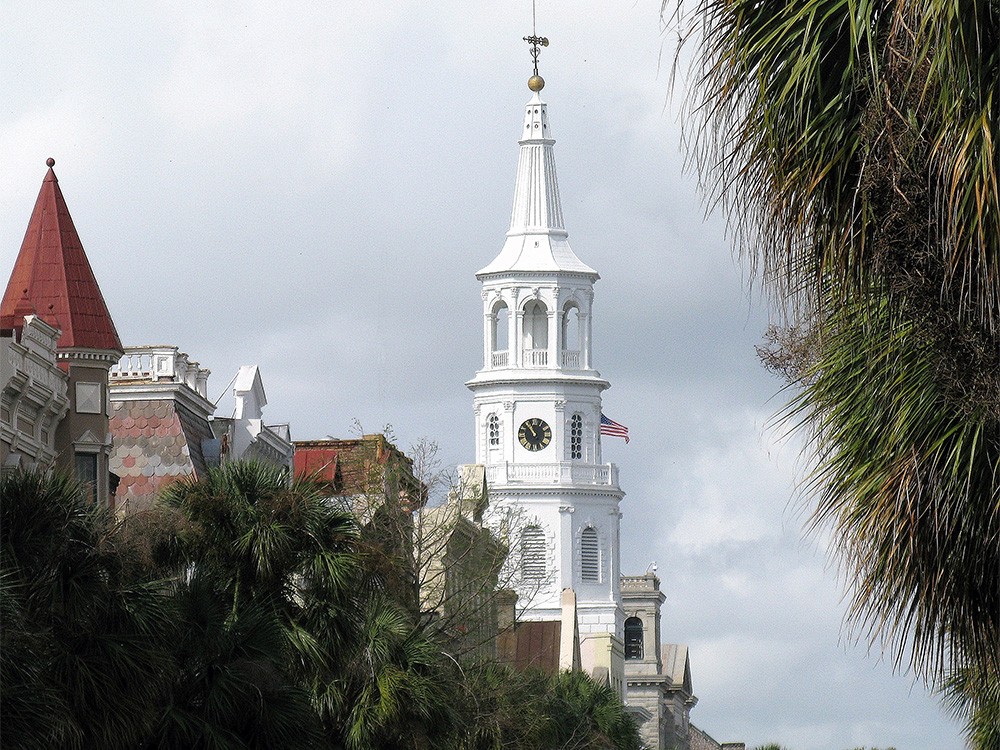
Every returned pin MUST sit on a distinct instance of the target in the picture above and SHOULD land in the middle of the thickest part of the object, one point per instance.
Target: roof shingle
(53, 275)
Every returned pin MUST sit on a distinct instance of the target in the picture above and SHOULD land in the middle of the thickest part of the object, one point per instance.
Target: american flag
(612, 428)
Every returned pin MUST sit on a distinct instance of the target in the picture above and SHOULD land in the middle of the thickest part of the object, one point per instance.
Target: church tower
(537, 401)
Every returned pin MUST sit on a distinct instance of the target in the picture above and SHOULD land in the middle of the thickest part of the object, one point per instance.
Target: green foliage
(853, 145)
(528, 710)
(242, 612)
(974, 694)
(585, 714)
(78, 633)
(909, 486)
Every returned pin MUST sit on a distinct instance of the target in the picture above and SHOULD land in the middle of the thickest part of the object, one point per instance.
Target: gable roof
(52, 275)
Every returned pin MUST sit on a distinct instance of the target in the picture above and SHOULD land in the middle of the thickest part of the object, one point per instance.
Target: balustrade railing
(160, 364)
(499, 359)
(536, 357)
(563, 472)
(571, 359)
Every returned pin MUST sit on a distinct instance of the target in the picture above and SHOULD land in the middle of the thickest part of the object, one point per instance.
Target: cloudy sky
(311, 187)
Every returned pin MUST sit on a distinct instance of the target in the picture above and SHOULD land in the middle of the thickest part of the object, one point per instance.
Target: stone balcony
(562, 472)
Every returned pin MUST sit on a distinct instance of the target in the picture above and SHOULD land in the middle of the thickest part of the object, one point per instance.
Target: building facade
(33, 394)
(160, 423)
(164, 427)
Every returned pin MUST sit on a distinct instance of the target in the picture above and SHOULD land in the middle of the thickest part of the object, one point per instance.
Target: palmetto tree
(854, 146)
(279, 559)
(83, 643)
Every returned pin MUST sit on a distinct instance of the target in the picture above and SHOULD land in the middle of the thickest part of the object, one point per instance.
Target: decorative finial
(50, 162)
(536, 83)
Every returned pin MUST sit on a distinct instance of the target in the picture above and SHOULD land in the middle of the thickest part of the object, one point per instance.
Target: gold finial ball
(536, 83)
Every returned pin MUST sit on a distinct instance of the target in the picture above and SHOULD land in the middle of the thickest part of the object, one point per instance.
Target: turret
(53, 277)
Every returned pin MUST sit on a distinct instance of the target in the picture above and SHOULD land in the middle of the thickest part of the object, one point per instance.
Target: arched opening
(500, 327)
(590, 558)
(536, 333)
(571, 343)
(499, 330)
(533, 553)
(633, 638)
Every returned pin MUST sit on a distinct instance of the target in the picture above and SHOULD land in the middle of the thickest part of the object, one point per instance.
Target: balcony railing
(563, 472)
(536, 357)
(159, 364)
(571, 360)
(500, 359)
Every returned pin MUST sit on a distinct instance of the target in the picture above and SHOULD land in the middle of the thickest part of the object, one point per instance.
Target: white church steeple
(537, 399)
(537, 239)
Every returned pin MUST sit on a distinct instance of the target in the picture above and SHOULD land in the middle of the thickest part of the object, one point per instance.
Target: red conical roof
(53, 275)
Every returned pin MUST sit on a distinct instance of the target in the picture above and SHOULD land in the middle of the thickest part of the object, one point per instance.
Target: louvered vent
(533, 553)
(590, 569)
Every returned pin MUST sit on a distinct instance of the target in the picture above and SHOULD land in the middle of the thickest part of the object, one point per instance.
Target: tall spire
(537, 239)
(52, 275)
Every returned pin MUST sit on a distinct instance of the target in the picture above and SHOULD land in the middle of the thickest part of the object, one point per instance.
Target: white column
(487, 340)
(554, 353)
(566, 551)
(516, 346)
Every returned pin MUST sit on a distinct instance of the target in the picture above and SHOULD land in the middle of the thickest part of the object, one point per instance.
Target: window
(493, 430)
(590, 569)
(633, 638)
(533, 553)
(576, 436)
(86, 472)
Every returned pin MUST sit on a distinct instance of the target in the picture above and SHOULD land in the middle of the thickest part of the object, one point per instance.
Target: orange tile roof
(52, 275)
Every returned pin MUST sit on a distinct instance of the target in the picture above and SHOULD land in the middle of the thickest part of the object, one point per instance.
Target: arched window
(571, 327)
(536, 325)
(590, 558)
(499, 328)
(576, 436)
(633, 638)
(533, 553)
(493, 430)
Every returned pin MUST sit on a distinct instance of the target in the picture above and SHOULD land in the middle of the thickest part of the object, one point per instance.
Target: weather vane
(536, 83)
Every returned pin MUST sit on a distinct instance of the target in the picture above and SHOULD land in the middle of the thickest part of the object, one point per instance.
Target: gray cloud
(314, 191)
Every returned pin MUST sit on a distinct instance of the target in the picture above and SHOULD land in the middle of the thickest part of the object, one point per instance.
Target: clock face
(534, 434)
